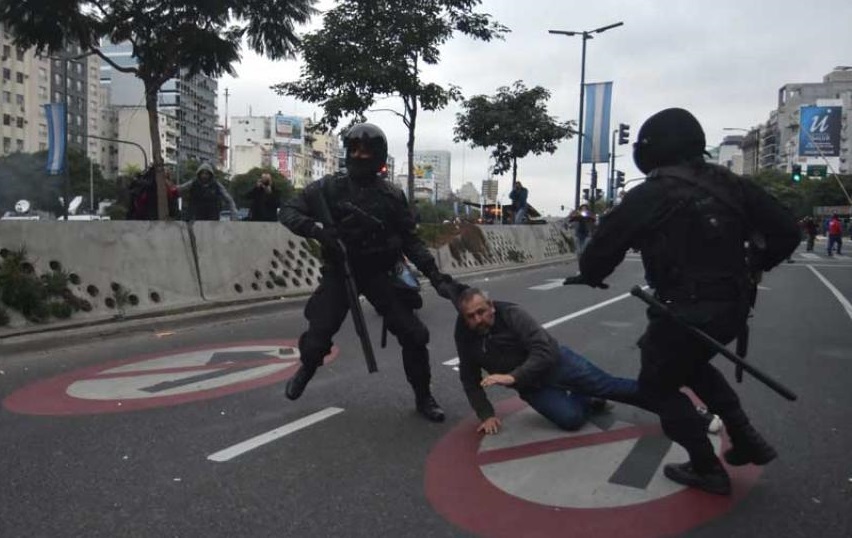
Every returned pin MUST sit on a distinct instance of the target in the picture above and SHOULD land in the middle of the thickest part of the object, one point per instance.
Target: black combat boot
(296, 384)
(715, 480)
(748, 447)
(429, 408)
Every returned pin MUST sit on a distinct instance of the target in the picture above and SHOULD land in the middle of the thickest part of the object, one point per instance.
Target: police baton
(659, 307)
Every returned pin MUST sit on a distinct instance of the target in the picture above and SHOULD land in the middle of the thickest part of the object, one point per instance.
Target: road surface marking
(843, 300)
(810, 255)
(552, 283)
(264, 438)
(584, 311)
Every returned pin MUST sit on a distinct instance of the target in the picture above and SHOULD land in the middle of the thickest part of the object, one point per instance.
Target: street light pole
(586, 35)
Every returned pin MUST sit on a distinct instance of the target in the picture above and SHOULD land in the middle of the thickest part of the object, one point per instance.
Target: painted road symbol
(159, 380)
(535, 480)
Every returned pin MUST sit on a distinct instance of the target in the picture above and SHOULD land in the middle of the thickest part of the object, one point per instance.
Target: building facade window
(7, 73)
(7, 97)
(7, 51)
(7, 119)
(20, 122)
(19, 77)
(7, 144)
(19, 99)
(19, 53)
(19, 145)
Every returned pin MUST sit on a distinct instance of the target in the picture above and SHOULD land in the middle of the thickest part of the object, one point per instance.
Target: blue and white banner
(819, 131)
(596, 122)
(56, 125)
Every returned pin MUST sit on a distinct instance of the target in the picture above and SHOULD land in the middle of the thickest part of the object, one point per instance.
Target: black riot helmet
(669, 137)
(365, 136)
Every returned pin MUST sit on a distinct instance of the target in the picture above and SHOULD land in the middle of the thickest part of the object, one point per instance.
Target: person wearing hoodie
(206, 196)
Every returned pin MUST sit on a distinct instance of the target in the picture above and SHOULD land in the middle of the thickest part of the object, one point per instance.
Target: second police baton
(659, 307)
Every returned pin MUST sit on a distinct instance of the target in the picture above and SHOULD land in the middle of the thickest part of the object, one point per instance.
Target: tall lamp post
(586, 35)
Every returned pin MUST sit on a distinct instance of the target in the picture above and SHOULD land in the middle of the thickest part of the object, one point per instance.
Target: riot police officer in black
(692, 220)
(373, 220)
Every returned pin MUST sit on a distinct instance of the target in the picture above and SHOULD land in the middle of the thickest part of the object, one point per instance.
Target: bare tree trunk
(151, 91)
(514, 171)
(412, 125)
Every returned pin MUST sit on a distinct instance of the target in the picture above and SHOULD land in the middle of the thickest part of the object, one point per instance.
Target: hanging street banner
(56, 126)
(819, 131)
(596, 122)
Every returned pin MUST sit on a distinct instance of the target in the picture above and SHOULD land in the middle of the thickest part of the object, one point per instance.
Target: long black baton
(712, 342)
(351, 291)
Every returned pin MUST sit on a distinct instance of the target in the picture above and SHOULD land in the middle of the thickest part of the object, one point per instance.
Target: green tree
(369, 50)
(168, 37)
(241, 184)
(514, 122)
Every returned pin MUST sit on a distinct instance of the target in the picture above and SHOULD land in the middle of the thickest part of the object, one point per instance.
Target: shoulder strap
(679, 173)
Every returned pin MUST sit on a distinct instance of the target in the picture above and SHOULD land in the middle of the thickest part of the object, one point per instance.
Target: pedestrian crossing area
(821, 256)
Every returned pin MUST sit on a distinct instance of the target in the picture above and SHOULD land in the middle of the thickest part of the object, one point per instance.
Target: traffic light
(623, 134)
(585, 194)
(598, 194)
(796, 174)
(619, 179)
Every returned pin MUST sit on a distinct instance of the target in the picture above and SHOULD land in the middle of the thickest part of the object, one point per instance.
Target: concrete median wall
(136, 268)
(252, 260)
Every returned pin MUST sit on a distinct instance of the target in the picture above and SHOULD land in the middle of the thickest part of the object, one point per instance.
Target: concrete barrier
(133, 268)
(252, 260)
(114, 267)
(487, 247)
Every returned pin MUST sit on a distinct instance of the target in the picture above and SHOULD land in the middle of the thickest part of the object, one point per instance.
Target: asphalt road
(135, 459)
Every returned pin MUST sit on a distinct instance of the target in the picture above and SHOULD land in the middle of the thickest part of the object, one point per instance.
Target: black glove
(580, 279)
(330, 241)
(446, 286)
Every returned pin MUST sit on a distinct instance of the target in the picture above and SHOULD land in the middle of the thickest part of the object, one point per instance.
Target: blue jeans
(835, 240)
(521, 215)
(583, 379)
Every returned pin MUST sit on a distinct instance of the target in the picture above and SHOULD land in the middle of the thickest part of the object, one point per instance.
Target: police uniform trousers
(672, 358)
(327, 308)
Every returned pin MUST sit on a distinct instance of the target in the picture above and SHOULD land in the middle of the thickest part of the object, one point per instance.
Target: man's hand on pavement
(498, 379)
(490, 426)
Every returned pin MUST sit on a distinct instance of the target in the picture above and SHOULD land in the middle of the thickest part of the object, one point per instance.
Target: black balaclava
(669, 137)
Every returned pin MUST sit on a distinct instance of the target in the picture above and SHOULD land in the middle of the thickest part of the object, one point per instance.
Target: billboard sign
(290, 128)
(819, 131)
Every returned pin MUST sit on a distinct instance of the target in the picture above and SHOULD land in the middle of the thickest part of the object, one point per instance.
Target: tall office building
(490, 190)
(435, 165)
(191, 101)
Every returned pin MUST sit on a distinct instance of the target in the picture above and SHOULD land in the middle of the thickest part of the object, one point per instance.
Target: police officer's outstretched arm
(774, 221)
(619, 231)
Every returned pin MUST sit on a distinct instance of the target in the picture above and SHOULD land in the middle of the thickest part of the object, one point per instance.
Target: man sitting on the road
(517, 352)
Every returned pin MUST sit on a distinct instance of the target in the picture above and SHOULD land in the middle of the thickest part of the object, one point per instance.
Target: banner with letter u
(596, 122)
(56, 126)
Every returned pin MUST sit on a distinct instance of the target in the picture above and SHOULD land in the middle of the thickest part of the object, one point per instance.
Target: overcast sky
(723, 60)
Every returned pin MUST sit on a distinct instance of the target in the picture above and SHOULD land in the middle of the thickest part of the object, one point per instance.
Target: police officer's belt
(706, 291)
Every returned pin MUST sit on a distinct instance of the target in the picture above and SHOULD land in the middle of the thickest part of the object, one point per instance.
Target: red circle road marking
(50, 396)
(460, 492)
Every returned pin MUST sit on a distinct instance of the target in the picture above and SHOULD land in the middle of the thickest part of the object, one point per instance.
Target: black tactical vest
(697, 249)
